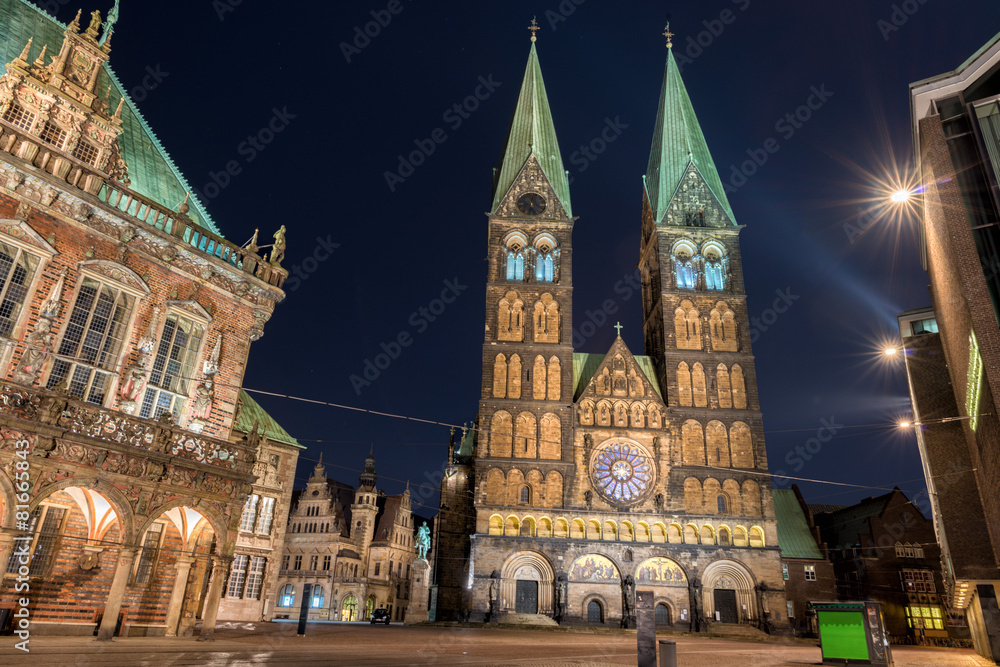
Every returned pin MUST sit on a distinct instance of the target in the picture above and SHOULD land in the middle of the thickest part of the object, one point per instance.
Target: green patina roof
(249, 411)
(678, 142)
(152, 172)
(585, 365)
(467, 446)
(794, 536)
(532, 132)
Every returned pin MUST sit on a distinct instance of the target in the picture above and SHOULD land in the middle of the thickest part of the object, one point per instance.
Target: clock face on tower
(531, 203)
(621, 471)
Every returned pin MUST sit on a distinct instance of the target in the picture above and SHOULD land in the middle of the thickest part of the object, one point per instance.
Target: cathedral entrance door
(725, 605)
(526, 601)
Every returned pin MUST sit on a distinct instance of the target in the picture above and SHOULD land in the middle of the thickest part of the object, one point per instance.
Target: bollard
(668, 653)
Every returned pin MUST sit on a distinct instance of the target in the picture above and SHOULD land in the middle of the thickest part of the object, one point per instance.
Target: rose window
(622, 472)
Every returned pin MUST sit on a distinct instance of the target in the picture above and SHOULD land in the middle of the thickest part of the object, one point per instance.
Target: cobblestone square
(363, 645)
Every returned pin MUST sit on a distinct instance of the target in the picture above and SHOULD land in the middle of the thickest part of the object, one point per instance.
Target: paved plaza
(363, 644)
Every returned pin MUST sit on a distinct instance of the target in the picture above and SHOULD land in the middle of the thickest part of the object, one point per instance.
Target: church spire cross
(670, 36)
(534, 28)
(619, 327)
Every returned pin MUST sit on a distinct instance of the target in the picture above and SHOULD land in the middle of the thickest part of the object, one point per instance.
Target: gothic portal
(590, 475)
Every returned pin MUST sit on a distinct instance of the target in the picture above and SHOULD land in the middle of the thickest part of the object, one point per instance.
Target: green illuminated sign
(842, 635)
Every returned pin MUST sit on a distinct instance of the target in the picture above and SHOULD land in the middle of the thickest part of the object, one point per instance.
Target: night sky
(208, 75)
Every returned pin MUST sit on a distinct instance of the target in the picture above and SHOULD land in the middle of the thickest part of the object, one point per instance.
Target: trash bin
(853, 632)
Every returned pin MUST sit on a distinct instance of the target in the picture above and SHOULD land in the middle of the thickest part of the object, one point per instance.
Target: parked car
(380, 615)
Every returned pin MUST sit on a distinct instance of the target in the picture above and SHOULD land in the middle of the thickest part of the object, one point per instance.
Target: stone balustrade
(131, 205)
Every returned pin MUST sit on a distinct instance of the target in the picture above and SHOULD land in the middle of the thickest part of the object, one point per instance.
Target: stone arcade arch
(728, 587)
(522, 574)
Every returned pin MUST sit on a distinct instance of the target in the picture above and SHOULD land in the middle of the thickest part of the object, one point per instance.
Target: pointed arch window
(545, 266)
(515, 247)
(684, 272)
(716, 267)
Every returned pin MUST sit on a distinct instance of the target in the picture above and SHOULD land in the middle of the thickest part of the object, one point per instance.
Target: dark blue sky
(226, 68)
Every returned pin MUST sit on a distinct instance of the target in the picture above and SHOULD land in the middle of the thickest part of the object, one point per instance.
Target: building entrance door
(725, 605)
(526, 601)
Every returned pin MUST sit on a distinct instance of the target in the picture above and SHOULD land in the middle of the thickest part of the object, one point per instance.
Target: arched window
(545, 259)
(684, 271)
(723, 505)
(662, 614)
(595, 612)
(525, 495)
(515, 259)
(725, 539)
(286, 596)
(319, 596)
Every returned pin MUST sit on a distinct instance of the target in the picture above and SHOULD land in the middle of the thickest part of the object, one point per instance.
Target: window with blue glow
(318, 596)
(286, 597)
(515, 265)
(545, 268)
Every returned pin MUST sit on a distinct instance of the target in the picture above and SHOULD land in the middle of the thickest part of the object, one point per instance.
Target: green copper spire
(531, 133)
(678, 143)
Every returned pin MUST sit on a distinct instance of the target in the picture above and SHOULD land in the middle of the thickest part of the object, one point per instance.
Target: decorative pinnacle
(670, 36)
(24, 54)
(40, 60)
(184, 208)
(74, 25)
(534, 28)
(619, 327)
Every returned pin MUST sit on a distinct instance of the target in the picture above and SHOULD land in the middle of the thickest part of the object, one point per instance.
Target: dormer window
(19, 117)
(53, 134)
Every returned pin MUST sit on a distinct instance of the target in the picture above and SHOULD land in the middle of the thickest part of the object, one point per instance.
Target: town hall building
(591, 475)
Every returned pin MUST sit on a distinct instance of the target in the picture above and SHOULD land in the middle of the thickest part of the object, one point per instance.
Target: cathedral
(591, 475)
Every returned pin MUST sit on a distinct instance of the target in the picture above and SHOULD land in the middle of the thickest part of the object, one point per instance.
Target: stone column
(177, 595)
(215, 581)
(123, 570)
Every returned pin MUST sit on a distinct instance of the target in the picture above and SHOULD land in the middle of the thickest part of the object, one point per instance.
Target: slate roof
(678, 142)
(249, 410)
(532, 132)
(843, 528)
(795, 538)
(151, 170)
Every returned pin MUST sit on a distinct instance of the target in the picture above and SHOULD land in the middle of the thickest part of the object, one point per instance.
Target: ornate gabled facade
(253, 574)
(354, 545)
(125, 324)
(592, 474)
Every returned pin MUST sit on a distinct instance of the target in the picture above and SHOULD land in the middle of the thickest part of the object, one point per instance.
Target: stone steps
(736, 630)
(528, 619)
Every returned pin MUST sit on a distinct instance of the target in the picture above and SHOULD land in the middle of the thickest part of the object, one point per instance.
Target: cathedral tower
(697, 328)
(525, 407)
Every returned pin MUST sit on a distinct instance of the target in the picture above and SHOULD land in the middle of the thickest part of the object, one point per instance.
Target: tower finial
(670, 36)
(534, 28)
(40, 60)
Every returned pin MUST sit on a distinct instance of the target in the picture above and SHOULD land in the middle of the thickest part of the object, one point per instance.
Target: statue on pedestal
(423, 541)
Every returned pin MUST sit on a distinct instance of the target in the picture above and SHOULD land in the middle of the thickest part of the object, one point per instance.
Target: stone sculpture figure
(628, 601)
(494, 595)
(278, 249)
(423, 541)
(562, 594)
